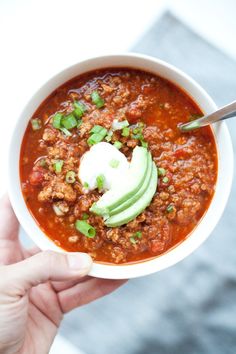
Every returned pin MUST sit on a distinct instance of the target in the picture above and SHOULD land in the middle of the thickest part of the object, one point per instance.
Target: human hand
(37, 288)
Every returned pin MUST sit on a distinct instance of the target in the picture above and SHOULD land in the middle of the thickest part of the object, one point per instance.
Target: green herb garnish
(36, 123)
(144, 144)
(98, 133)
(138, 234)
(100, 182)
(161, 171)
(56, 120)
(85, 229)
(69, 122)
(170, 208)
(86, 185)
(79, 110)
(114, 163)
(109, 135)
(85, 216)
(70, 177)
(65, 131)
(165, 179)
(97, 100)
(57, 166)
(125, 131)
(118, 144)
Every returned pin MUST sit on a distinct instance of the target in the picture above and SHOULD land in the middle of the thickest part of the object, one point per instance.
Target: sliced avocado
(127, 187)
(134, 210)
(140, 192)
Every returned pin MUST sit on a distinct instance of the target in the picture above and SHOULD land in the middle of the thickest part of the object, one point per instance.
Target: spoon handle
(225, 112)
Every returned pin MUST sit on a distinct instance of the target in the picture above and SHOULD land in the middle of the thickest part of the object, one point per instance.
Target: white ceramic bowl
(225, 166)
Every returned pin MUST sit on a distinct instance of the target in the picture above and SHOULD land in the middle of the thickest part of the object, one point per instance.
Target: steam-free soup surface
(153, 107)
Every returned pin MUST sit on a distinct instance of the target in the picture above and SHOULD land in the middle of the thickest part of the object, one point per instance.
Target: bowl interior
(225, 163)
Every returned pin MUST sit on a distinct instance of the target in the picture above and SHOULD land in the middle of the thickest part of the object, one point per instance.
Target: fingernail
(79, 261)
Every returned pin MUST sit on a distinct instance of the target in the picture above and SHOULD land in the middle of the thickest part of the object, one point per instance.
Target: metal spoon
(225, 112)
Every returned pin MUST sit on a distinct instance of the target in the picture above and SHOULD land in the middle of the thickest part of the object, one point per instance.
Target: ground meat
(118, 254)
(185, 183)
(60, 208)
(85, 128)
(136, 108)
(84, 202)
(113, 234)
(56, 189)
(50, 135)
(131, 143)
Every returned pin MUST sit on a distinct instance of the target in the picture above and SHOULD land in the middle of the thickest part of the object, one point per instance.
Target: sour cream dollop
(102, 159)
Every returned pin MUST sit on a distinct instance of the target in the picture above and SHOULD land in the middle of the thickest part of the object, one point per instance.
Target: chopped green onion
(70, 177)
(132, 240)
(138, 128)
(97, 100)
(118, 144)
(85, 229)
(109, 135)
(85, 216)
(36, 124)
(97, 129)
(98, 134)
(116, 125)
(94, 139)
(138, 234)
(170, 208)
(97, 137)
(65, 131)
(56, 120)
(165, 180)
(141, 125)
(144, 144)
(57, 166)
(86, 185)
(79, 123)
(138, 136)
(79, 110)
(69, 122)
(100, 182)
(161, 171)
(114, 163)
(125, 131)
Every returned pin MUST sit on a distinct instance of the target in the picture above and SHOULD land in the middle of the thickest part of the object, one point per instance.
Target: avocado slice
(134, 210)
(125, 188)
(140, 192)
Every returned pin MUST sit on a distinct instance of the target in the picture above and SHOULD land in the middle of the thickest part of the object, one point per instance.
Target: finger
(10, 250)
(86, 292)
(9, 225)
(42, 267)
(63, 285)
(31, 251)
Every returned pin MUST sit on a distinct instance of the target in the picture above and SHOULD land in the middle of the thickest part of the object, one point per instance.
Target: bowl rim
(213, 213)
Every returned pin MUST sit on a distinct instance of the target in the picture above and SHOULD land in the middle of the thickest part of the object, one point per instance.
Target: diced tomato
(181, 153)
(36, 177)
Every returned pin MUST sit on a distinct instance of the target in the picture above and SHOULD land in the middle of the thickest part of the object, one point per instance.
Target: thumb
(42, 267)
